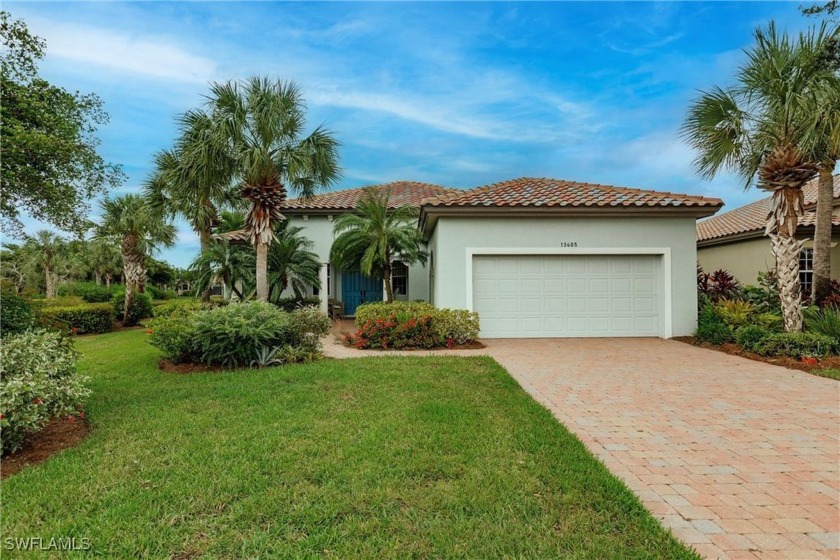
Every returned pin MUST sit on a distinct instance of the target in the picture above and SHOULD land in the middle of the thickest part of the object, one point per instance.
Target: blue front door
(356, 289)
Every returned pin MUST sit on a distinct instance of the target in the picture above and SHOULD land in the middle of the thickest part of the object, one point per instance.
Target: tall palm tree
(195, 192)
(140, 230)
(764, 128)
(44, 250)
(224, 262)
(372, 237)
(255, 141)
(291, 262)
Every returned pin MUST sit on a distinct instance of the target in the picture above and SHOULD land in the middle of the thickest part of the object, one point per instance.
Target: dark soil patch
(783, 361)
(59, 434)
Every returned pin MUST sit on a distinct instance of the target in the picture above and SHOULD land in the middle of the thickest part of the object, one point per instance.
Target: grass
(831, 373)
(372, 458)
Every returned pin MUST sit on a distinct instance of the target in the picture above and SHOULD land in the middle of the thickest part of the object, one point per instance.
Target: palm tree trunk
(134, 270)
(786, 249)
(98, 278)
(262, 271)
(108, 280)
(205, 238)
(389, 288)
(821, 286)
(49, 278)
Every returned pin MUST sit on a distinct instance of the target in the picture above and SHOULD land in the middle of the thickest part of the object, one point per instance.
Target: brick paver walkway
(738, 458)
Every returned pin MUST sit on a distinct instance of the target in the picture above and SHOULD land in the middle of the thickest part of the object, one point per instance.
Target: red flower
(81, 414)
(37, 401)
(149, 331)
(71, 419)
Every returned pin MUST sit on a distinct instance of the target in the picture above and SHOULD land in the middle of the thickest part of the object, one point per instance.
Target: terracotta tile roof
(753, 217)
(530, 192)
(402, 193)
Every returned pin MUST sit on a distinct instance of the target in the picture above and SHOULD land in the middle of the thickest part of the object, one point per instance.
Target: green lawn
(831, 373)
(371, 458)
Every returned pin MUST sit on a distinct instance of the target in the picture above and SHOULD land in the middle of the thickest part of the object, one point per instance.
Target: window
(806, 269)
(399, 279)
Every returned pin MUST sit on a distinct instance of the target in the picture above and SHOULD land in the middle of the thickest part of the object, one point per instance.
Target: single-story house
(536, 257)
(735, 240)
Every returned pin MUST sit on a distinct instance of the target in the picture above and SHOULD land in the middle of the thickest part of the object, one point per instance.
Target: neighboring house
(735, 240)
(537, 257)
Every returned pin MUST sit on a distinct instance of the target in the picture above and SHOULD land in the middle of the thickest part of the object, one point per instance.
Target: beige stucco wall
(319, 230)
(745, 259)
(454, 235)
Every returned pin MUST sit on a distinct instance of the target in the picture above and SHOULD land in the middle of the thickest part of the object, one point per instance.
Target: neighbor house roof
(534, 192)
(752, 218)
(402, 193)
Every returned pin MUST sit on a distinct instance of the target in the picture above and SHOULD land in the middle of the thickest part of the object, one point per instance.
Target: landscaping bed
(386, 457)
(59, 434)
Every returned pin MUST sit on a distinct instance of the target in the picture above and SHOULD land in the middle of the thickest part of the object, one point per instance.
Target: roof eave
(429, 214)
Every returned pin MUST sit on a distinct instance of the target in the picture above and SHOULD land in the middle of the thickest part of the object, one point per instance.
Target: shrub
(60, 301)
(718, 285)
(179, 307)
(711, 328)
(140, 309)
(382, 310)
(234, 335)
(458, 325)
(396, 334)
(825, 321)
(735, 313)
(797, 344)
(290, 304)
(750, 336)
(16, 314)
(309, 326)
(390, 324)
(158, 293)
(85, 318)
(90, 292)
(175, 335)
(39, 382)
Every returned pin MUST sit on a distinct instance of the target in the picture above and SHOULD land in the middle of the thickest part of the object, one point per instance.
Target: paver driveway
(737, 457)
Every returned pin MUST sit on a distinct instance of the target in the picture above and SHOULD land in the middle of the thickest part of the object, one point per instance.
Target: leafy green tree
(291, 262)
(105, 260)
(140, 230)
(50, 167)
(224, 262)
(768, 126)
(254, 140)
(375, 235)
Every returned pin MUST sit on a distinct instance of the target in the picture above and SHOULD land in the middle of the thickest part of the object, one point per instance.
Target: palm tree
(140, 230)
(223, 262)
(45, 250)
(104, 258)
(254, 141)
(291, 262)
(375, 235)
(193, 191)
(764, 128)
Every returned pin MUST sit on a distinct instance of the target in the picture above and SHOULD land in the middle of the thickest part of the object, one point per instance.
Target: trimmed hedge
(711, 328)
(797, 344)
(413, 324)
(291, 303)
(88, 291)
(16, 314)
(86, 318)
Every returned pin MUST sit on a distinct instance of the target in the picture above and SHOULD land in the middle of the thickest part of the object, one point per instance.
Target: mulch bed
(59, 434)
(468, 346)
(783, 361)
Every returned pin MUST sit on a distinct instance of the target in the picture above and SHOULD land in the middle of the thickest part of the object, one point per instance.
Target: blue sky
(459, 94)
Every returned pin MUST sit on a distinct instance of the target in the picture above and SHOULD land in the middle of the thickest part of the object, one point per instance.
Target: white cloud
(146, 55)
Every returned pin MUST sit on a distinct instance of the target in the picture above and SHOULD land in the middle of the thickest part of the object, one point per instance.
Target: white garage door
(568, 295)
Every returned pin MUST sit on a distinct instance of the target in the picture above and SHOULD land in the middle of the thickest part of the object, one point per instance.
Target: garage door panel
(568, 295)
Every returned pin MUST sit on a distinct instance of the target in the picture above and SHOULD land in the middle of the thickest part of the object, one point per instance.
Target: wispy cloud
(140, 54)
